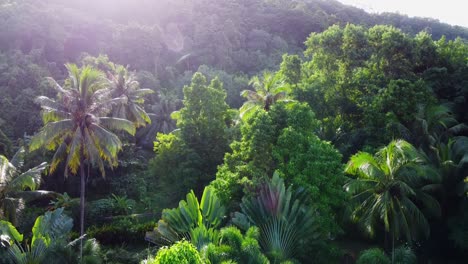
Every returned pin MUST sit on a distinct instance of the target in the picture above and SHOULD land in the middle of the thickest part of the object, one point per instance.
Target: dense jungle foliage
(230, 131)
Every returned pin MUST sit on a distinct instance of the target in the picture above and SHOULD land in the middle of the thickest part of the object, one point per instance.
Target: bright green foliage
(9, 234)
(290, 68)
(268, 90)
(233, 247)
(203, 120)
(284, 139)
(361, 82)
(286, 224)
(181, 252)
(190, 156)
(304, 160)
(373, 256)
(193, 220)
(390, 188)
(16, 186)
(250, 160)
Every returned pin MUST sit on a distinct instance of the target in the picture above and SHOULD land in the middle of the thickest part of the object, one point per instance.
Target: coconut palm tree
(123, 84)
(17, 186)
(77, 128)
(433, 125)
(268, 90)
(389, 188)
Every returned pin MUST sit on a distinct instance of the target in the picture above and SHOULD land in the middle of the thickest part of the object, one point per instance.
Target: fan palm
(286, 224)
(14, 183)
(390, 187)
(268, 90)
(76, 126)
(123, 83)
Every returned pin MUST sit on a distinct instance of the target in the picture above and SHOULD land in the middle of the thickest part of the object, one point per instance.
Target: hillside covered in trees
(230, 131)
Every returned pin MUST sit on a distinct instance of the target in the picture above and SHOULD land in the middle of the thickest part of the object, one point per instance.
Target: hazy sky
(453, 12)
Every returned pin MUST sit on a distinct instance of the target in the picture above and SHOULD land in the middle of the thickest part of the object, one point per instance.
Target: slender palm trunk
(82, 203)
(393, 248)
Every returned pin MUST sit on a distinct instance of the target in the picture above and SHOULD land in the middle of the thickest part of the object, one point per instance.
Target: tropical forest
(230, 132)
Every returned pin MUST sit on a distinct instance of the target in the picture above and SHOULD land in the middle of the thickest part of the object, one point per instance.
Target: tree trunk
(82, 204)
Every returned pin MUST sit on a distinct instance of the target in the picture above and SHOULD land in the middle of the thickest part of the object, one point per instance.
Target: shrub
(124, 230)
(233, 247)
(373, 256)
(404, 255)
(182, 252)
(99, 209)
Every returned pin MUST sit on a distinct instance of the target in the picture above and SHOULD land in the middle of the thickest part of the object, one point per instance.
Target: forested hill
(164, 40)
(150, 35)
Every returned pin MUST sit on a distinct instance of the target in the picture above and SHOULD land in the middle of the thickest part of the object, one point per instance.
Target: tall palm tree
(389, 188)
(76, 125)
(123, 84)
(17, 186)
(268, 90)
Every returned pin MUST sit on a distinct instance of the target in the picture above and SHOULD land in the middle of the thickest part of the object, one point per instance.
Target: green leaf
(9, 233)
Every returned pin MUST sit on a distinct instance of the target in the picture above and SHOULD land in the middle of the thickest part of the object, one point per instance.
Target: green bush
(234, 247)
(182, 252)
(404, 255)
(100, 209)
(124, 230)
(373, 256)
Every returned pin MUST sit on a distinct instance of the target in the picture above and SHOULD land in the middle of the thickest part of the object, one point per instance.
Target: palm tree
(76, 126)
(123, 84)
(433, 124)
(287, 225)
(390, 187)
(268, 90)
(14, 184)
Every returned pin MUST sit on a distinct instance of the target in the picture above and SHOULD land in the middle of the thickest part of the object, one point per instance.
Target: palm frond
(51, 134)
(117, 124)
(18, 159)
(7, 171)
(30, 179)
(364, 165)
(108, 143)
(74, 150)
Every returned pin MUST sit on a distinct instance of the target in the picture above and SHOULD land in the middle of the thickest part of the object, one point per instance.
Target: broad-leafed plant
(16, 186)
(193, 220)
(286, 223)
